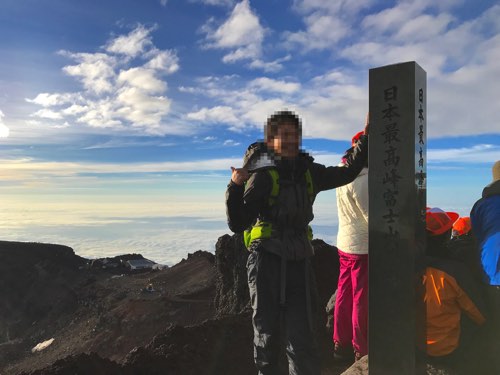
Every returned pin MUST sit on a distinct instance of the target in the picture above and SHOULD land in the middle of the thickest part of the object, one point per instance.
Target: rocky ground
(50, 293)
(195, 320)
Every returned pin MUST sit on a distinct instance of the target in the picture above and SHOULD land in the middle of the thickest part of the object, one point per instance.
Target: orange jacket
(449, 289)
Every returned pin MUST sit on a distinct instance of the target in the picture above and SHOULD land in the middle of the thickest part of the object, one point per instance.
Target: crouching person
(274, 204)
(450, 290)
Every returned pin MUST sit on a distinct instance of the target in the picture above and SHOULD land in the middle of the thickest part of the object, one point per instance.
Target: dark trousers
(493, 324)
(493, 296)
(274, 322)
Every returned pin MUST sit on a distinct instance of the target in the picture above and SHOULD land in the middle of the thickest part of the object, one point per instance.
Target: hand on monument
(239, 175)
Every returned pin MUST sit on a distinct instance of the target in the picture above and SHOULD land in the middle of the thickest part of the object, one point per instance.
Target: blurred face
(286, 143)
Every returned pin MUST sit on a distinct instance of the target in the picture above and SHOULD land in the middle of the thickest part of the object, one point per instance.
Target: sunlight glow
(4, 131)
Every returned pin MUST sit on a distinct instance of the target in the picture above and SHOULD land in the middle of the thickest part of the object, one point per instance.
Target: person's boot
(342, 353)
(357, 356)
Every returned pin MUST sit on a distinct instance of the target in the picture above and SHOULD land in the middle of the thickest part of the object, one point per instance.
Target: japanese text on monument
(421, 143)
(391, 176)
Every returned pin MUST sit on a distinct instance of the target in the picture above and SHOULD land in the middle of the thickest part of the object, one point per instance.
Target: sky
(120, 119)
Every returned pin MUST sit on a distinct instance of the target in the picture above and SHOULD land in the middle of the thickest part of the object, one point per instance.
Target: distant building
(104, 263)
(140, 264)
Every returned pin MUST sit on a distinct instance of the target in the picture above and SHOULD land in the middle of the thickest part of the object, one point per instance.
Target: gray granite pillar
(397, 193)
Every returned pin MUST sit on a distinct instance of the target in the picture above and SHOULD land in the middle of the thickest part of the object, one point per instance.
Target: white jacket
(352, 205)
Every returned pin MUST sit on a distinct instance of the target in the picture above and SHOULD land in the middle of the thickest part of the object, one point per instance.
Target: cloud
(30, 169)
(166, 240)
(482, 153)
(322, 31)
(74, 110)
(218, 114)
(101, 114)
(411, 32)
(61, 126)
(331, 7)
(166, 61)
(241, 34)
(142, 109)
(407, 20)
(454, 78)
(95, 71)
(267, 84)
(241, 107)
(269, 66)
(4, 130)
(46, 99)
(125, 143)
(142, 79)
(124, 88)
(130, 95)
(380, 54)
(231, 142)
(224, 3)
(48, 114)
(131, 45)
(163, 227)
(326, 23)
(246, 101)
(392, 18)
(333, 103)
(423, 27)
(336, 76)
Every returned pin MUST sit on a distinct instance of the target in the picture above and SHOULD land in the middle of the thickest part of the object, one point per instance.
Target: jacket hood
(257, 157)
(492, 189)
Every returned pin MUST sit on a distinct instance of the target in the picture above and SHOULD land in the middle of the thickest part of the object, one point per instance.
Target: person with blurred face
(485, 221)
(350, 323)
(463, 246)
(461, 227)
(271, 200)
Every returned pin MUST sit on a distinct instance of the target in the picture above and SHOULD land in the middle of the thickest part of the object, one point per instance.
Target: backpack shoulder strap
(275, 189)
(310, 185)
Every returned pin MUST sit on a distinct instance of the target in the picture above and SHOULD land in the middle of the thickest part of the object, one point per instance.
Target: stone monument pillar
(397, 204)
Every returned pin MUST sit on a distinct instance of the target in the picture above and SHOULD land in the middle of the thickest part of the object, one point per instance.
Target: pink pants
(351, 305)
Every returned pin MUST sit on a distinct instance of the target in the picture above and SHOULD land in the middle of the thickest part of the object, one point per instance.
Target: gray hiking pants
(292, 321)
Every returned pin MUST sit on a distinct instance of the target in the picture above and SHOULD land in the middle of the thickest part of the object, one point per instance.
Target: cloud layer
(29, 173)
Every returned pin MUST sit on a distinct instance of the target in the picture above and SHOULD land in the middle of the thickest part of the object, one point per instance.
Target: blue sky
(119, 119)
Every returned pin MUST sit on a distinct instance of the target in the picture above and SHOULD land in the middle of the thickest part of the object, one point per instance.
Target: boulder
(80, 364)
(220, 346)
(231, 294)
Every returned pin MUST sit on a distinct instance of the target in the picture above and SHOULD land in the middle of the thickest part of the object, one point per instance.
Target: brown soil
(50, 293)
(196, 320)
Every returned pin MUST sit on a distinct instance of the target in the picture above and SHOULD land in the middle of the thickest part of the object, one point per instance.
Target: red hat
(462, 226)
(438, 222)
(356, 137)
